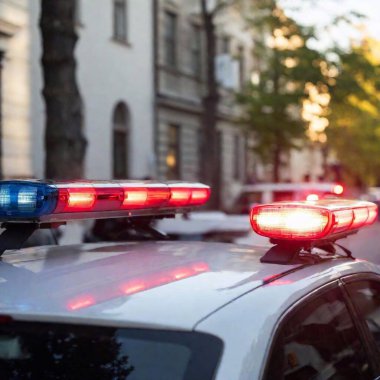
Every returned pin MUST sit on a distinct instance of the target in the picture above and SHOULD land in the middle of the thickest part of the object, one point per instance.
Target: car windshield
(60, 351)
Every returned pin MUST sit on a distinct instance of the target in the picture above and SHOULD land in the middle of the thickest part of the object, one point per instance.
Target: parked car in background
(277, 192)
(206, 226)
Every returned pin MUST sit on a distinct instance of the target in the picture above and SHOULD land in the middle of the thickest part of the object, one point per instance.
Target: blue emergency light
(24, 199)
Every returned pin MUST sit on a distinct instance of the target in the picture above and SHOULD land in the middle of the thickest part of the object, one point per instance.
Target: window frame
(354, 278)
(295, 307)
(118, 129)
(122, 37)
(196, 50)
(170, 60)
(242, 66)
(176, 147)
(225, 44)
(237, 157)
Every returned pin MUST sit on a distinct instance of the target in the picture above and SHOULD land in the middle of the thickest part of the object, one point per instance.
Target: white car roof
(41, 283)
(320, 186)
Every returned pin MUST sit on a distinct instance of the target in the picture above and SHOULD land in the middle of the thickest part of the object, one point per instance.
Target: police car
(301, 308)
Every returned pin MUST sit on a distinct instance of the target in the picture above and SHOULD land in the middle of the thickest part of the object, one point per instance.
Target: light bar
(310, 221)
(35, 201)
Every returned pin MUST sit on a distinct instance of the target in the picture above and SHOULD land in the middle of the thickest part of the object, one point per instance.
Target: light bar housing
(311, 221)
(45, 201)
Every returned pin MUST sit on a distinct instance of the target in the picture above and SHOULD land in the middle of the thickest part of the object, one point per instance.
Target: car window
(366, 297)
(58, 351)
(319, 341)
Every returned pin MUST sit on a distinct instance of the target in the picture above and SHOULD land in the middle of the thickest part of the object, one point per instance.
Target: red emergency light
(36, 201)
(305, 221)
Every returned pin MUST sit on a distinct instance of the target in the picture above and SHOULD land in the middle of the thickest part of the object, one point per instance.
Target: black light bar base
(16, 234)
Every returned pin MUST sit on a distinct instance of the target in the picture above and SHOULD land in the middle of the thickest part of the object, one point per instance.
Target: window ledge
(122, 42)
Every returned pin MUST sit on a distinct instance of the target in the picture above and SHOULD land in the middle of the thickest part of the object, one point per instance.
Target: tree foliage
(273, 101)
(354, 131)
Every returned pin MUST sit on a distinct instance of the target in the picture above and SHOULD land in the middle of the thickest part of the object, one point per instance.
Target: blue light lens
(26, 199)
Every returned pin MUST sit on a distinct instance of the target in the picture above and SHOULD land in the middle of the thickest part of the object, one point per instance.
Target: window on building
(120, 20)
(196, 53)
(319, 341)
(241, 58)
(170, 39)
(120, 141)
(78, 11)
(225, 45)
(173, 153)
(237, 157)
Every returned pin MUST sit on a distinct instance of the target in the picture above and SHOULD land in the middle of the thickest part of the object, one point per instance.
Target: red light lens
(343, 220)
(179, 197)
(108, 199)
(289, 222)
(157, 196)
(302, 221)
(81, 199)
(135, 197)
(113, 196)
(75, 199)
(200, 196)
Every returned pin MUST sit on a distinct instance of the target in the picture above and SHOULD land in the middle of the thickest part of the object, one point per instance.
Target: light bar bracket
(15, 235)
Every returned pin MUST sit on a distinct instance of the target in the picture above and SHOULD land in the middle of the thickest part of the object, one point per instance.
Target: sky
(321, 13)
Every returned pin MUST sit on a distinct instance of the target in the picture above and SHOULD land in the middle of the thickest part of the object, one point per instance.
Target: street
(365, 244)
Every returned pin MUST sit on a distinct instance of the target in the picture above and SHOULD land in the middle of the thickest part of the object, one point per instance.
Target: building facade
(115, 77)
(142, 77)
(15, 96)
(181, 85)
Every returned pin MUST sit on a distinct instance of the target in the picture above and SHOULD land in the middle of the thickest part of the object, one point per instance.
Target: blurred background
(227, 92)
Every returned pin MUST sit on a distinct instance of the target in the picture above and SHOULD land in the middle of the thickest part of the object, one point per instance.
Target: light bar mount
(301, 252)
(16, 234)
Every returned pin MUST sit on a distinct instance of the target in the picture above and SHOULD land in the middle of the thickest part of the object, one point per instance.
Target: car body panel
(258, 313)
(228, 298)
(93, 281)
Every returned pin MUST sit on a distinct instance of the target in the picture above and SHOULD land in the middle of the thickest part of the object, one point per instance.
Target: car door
(318, 339)
(363, 291)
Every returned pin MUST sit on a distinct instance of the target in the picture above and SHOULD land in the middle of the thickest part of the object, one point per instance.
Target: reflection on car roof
(183, 281)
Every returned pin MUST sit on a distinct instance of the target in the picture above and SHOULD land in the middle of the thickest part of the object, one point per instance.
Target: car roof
(321, 186)
(184, 282)
(60, 281)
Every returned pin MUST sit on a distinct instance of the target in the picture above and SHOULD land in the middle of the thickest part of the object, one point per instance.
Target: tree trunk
(210, 164)
(277, 113)
(65, 143)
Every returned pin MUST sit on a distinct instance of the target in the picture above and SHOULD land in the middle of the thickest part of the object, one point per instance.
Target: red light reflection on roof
(280, 282)
(161, 278)
(138, 284)
(276, 279)
(81, 302)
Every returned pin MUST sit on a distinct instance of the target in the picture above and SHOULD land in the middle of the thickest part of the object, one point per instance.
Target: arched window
(120, 141)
